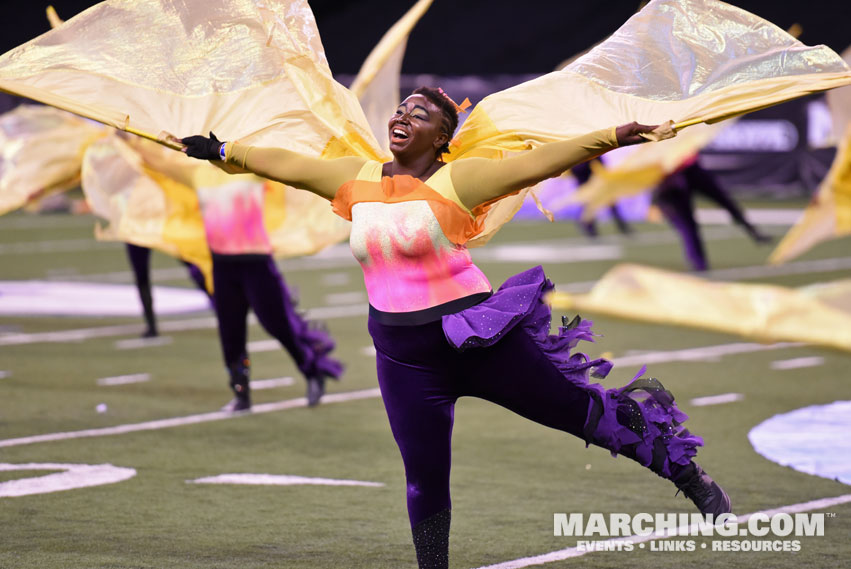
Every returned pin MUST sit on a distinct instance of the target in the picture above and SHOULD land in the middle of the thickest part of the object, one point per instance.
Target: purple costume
(674, 197)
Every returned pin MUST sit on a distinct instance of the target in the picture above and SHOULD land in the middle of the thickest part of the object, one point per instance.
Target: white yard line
(571, 552)
(700, 354)
(797, 363)
(716, 399)
(124, 379)
(188, 420)
(689, 354)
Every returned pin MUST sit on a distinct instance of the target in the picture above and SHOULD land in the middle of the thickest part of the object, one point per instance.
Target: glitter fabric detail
(431, 541)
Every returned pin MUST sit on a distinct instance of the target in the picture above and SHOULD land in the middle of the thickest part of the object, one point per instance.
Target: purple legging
(421, 376)
(253, 282)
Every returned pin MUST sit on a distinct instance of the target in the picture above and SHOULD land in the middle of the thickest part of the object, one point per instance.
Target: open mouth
(398, 135)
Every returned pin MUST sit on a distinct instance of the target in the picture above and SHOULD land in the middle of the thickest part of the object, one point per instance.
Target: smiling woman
(440, 332)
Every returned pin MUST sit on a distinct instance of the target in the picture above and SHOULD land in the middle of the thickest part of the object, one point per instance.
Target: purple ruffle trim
(648, 408)
(316, 345)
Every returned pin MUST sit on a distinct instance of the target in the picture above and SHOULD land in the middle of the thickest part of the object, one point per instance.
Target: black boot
(239, 374)
(315, 390)
(431, 540)
(706, 494)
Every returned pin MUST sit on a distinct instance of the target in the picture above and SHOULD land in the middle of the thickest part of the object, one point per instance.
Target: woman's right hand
(202, 147)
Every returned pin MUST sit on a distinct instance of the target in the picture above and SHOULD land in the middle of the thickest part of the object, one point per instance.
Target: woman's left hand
(631, 133)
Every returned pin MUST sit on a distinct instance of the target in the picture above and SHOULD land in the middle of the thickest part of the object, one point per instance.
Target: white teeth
(399, 132)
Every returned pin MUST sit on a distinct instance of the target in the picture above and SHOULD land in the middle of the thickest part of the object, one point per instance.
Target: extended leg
(703, 181)
(517, 374)
(309, 347)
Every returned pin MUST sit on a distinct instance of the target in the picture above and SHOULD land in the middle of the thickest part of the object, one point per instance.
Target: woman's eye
(421, 116)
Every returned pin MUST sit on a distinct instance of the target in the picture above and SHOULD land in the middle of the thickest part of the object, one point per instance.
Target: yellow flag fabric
(377, 83)
(828, 216)
(142, 205)
(817, 315)
(221, 65)
(40, 152)
(256, 72)
(147, 194)
(689, 61)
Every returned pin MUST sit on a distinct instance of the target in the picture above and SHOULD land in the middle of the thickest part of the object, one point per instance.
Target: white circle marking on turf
(39, 298)
(279, 480)
(72, 476)
(813, 440)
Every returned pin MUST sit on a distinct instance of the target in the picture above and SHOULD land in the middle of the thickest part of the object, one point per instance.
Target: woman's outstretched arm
(480, 180)
(320, 176)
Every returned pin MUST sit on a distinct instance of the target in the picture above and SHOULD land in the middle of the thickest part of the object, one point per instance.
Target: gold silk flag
(377, 83)
(248, 70)
(766, 313)
(40, 152)
(828, 216)
(253, 71)
(689, 61)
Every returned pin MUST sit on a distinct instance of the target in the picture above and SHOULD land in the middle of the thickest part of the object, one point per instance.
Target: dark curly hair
(447, 108)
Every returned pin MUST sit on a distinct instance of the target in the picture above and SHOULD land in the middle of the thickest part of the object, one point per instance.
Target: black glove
(202, 147)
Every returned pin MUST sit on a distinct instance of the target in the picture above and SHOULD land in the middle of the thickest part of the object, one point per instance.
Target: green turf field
(509, 475)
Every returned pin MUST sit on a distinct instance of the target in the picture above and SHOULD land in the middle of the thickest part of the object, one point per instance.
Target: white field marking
(119, 277)
(73, 476)
(368, 351)
(810, 439)
(124, 379)
(263, 346)
(544, 253)
(271, 383)
(716, 399)
(755, 216)
(796, 363)
(36, 297)
(649, 358)
(80, 334)
(279, 480)
(56, 246)
(189, 420)
(338, 298)
(5, 374)
(572, 552)
(136, 343)
(701, 354)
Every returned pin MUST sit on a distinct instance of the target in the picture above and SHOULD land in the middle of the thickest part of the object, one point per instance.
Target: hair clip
(462, 108)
